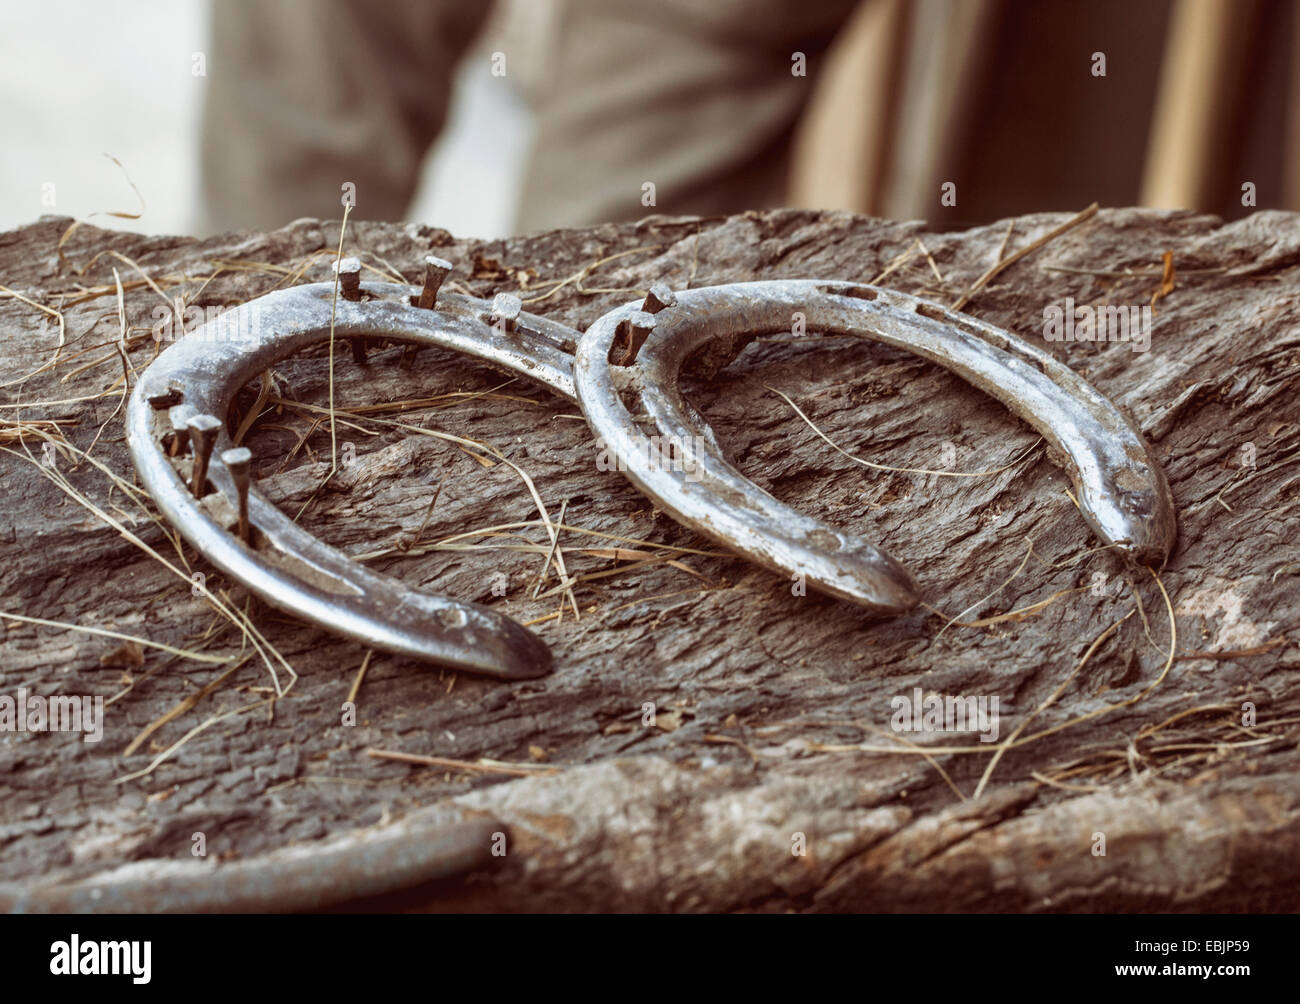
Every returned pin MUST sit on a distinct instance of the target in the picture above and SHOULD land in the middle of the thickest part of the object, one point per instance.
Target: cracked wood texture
(770, 778)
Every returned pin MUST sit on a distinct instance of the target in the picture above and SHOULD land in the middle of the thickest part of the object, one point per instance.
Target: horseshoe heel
(1120, 487)
(283, 564)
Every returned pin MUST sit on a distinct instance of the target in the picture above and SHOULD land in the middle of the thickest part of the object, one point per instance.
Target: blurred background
(494, 118)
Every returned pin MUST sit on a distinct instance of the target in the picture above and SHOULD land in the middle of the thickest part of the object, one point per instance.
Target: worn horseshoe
(179, 407)
(626, 374)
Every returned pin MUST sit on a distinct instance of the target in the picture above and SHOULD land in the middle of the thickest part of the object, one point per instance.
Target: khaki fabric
(696, 98)
(997, 101)
(304, 95)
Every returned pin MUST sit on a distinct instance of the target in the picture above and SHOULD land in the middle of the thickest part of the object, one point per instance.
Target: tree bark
(715, 741)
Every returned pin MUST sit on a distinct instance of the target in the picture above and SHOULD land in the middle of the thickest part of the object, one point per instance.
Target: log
(711, 739)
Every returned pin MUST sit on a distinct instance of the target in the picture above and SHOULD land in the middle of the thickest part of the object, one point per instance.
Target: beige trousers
(695, 97)
(998, 102)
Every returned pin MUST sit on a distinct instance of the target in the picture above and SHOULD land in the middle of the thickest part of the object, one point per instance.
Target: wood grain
(772, 710)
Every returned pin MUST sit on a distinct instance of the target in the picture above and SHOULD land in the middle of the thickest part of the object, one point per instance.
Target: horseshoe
(1121, 490)
(179, 406)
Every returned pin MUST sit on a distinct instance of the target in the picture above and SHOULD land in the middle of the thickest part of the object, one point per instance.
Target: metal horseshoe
(178, 440)
(626, 375)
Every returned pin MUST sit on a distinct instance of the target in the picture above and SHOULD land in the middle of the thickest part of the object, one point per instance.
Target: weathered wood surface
(700, 811)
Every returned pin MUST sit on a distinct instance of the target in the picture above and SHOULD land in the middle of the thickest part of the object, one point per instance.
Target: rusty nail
(349, 272)
(435, 271)
(633, 332)
(505, 310)
(659, 297)
(239, 462)
(203, 433)
(178, 416)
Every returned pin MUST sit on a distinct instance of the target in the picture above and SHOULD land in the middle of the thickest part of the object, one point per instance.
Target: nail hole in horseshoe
(856, 292)
(824, 540)
(166, 399)
(365, 297)
(957, 321)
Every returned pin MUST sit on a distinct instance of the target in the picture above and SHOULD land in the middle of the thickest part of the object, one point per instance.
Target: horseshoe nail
(349, 272)
(239, 462)
(436, 271)
(179, 416)
(633, 330)
(659, 297)
(203, 434)
(506, 308)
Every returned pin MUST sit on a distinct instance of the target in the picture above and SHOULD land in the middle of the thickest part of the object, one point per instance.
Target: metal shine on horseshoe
(632, 355)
